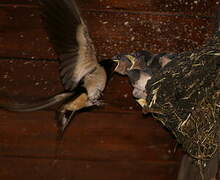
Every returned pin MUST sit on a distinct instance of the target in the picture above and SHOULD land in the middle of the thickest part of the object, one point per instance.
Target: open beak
(132, 60)
(142, 102)
(117, 62)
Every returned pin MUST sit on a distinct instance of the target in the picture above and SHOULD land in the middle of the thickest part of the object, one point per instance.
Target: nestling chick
(140, 67)
(159, 61)
(127, 62)
(139, 80)
(141, 60)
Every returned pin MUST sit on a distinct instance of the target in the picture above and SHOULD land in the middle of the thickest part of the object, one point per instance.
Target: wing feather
(69, 36)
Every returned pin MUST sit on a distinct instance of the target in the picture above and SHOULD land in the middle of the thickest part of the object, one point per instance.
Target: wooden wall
(112, 142)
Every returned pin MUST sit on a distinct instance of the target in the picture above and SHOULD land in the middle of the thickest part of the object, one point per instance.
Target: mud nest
(184, 96)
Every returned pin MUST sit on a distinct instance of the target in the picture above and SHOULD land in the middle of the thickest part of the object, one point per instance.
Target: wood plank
(22, 34)
(150, 6)
(132, 32)
(203, 8)
(36, 169)
(90, 136)
(30, 79)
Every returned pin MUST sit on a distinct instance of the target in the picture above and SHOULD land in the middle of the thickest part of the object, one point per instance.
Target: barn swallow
(140, 67)
(136, 60)
(69, 35)
(78, 62)
(159, 61)
(38, 105)
(139, 80)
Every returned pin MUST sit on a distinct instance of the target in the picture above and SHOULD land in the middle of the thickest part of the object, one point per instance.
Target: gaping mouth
(117, 62)
(129, 58)
(132, 59)
(142, 102)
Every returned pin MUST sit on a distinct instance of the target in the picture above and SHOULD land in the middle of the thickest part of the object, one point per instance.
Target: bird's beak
(117, 62)
(132, 60)
(142, 102)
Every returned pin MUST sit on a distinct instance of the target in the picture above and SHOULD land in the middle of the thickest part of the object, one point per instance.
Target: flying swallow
(69, 35)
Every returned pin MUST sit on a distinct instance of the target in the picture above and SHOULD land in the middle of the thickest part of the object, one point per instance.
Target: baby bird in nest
(140, 67)
(78, 62)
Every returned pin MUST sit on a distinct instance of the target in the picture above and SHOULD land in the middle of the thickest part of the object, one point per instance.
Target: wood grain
(114, 141)
(22, 33)
(204, 8)
(36, 169)
(90, 136)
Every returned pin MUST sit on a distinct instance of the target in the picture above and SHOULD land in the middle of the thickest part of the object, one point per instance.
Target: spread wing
(69, 36)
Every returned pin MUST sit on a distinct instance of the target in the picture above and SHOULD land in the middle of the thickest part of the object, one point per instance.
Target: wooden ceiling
(114, 141)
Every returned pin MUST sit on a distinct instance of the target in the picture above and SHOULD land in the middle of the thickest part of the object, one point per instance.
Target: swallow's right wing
(70, 38)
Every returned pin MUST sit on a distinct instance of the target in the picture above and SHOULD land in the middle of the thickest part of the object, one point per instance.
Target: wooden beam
(90, 136)
(36, 169)
(23, 35)
(204, 8)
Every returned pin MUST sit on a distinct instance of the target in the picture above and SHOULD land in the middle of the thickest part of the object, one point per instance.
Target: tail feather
(38, 105)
